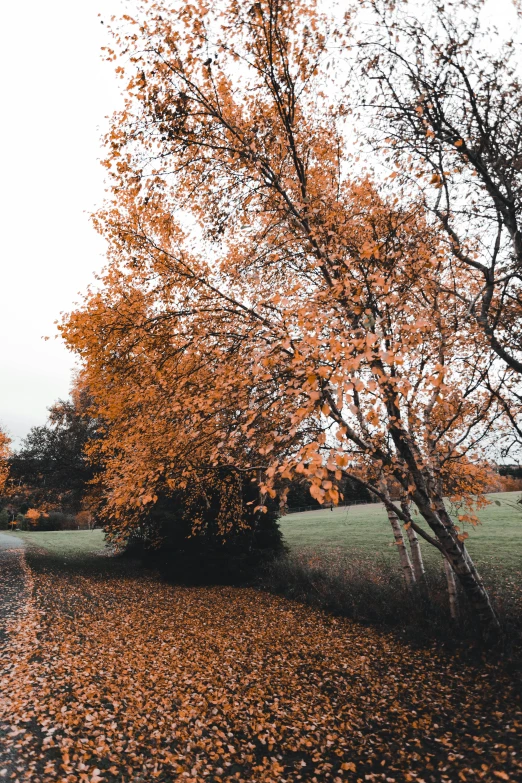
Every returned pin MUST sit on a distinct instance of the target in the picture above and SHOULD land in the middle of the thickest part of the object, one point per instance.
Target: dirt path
(13, 587)
(14, 593)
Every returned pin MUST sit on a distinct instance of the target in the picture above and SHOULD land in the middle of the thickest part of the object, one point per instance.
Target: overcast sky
(56, 93)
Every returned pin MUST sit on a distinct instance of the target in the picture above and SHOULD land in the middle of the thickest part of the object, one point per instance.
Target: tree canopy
(441, 96)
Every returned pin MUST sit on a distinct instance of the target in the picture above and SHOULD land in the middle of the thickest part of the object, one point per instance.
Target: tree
(449, 104)
(5, 442)
(51, 469)
(211, 530)
(441, 92)
(306, 331)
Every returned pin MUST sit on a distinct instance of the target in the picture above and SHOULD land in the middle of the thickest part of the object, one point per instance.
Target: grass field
(64, 542)
(366, 530)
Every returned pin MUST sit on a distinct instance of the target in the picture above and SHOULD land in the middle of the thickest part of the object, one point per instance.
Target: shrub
(56, 520)
(211, 535)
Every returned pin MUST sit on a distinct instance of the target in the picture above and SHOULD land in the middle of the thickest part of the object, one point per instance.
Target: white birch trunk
(416, 552)
(452, 590)
(407, 569)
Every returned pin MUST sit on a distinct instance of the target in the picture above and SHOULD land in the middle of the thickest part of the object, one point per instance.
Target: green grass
(64, 542)
(366, 530)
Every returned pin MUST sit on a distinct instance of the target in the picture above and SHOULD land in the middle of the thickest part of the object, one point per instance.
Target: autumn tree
(5, 442)
(441, 97)
(265, 304)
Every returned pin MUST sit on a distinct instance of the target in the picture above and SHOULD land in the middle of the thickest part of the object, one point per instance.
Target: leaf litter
(127, 678)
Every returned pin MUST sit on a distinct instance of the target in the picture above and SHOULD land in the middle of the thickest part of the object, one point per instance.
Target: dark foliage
(514, 471)
(56, 520)
(299, 495)
(51, 468)
(355, 492)
(207, 554)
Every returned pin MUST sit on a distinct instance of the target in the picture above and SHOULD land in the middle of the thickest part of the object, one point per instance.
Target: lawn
(366, 530)
(64, 543)
(362, 529)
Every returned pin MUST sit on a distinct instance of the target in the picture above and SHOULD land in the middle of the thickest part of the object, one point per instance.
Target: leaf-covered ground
(117, 676)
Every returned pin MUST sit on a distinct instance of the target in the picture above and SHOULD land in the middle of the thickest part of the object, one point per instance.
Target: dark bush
(204, 552)
(56, 520)
(514, 471)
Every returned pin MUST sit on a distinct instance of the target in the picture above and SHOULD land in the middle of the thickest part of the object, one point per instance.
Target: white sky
(56, 92)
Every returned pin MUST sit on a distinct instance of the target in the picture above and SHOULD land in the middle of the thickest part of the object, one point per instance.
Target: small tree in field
(32, 516)
(304, 329)
(85, 520)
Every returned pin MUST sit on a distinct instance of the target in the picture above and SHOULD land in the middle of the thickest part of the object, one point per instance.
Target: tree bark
(416, 554)
(452, 591)
(430, 502)
(458, 557)
(407, 569)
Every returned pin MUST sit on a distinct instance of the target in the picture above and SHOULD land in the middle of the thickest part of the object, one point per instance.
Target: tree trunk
(416, 553)
(452, 591)
(407, 570)
(459, 558)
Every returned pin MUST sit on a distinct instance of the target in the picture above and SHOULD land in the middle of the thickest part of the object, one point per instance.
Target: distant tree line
(514, 471)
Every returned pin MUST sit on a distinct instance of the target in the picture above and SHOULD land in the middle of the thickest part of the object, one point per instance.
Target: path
(12, 580)
(13, 594)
